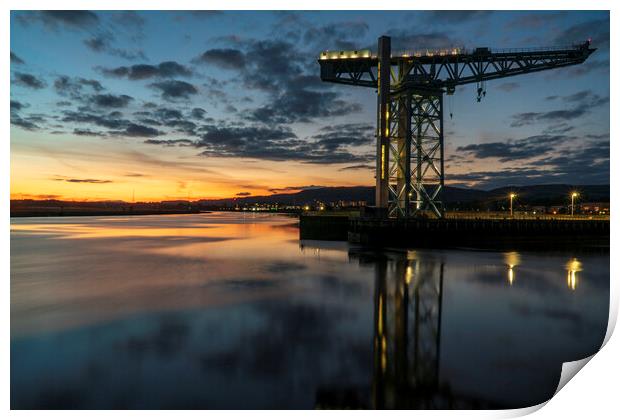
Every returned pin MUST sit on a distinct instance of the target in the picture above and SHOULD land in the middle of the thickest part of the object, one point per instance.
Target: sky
(169, 105)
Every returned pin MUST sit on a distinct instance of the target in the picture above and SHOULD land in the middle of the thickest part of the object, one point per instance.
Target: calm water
(232, 311)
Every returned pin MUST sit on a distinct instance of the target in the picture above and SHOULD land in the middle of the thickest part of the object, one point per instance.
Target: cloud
(28, 80)
(243, 194)
(88, 133)
(174, 89)
(412, 39)
(584, 102)
(96, 119)
(525, 148)
(26, 124)
(295, 188)
(357, 167)
(584, 164)
(226, 58)
(137, 130)
(595, 29)
(15, 59)
(84, 180)
(535, 20)
(102, 43)
(16, 105)
(73, 87)
(178, 142)
(111, 101)
(166, 69)
(456, 16)
(54, 19)
(335, 137)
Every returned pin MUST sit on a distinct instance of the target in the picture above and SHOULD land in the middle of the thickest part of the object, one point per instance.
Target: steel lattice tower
(410, 89)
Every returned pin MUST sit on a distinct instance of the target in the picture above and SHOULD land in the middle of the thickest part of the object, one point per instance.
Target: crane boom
(447, 68)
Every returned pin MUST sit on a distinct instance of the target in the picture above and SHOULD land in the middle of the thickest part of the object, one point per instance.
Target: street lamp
(572, 203)
(512, 196)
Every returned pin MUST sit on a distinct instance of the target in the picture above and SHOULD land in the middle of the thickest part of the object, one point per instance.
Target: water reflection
(227, 311)
(573, 266)
(512, 259)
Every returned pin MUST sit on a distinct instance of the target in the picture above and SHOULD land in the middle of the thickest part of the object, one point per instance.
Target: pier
(483, 232)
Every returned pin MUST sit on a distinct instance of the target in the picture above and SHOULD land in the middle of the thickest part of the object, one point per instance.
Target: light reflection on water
(227, 310)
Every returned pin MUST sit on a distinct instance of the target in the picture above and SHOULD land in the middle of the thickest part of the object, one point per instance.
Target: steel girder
(416, 154)
(437, 70)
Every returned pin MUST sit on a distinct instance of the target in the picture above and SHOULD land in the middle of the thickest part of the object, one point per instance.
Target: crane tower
(410, 88)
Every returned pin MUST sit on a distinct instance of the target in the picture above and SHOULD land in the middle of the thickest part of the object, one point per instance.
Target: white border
(593, 394)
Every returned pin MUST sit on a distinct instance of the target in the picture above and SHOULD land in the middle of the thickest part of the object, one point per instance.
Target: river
(232, 310)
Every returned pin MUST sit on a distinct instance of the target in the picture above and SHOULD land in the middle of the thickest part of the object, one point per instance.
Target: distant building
(594, 208)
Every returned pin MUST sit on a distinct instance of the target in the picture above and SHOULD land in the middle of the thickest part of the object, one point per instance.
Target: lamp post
(572, 203)
(512, 195)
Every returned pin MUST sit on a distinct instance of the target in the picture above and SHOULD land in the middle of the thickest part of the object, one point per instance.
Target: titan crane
(410, 88)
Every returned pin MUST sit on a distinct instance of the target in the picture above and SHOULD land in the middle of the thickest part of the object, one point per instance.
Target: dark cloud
(596, 29)
(357, 167)
(54, 19)
(456, 16)
(137, 130)
(25, 123)
(16, 105)
(73, 87)
(174, 89)
(535, 20)
(88, 133)
(102, 43)
(339, 36)
(226, 58)
(583, 101)
(277, 143)
(178, 142)
(412, 40)
(15, 59)
(528, 118)
(95, 119)
(166, 69)
(298, 104)
(111, 101)
(198, 113)
(585, 164)
(28, 80)
(295, 188)
(506, 151)
(335, 137)
(243, 194)
(84, 180)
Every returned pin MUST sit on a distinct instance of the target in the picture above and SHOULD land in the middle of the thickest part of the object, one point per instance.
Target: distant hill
(552, 194)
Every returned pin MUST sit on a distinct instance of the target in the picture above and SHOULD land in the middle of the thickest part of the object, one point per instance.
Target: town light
(573, 195)
(512, 196)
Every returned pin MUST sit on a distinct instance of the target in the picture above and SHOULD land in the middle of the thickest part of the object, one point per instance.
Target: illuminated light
(380, 317)
(383, 161)
(408, 275)
(511, 275)
(322, 207)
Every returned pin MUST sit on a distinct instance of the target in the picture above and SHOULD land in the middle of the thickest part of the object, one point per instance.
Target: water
(227, 310)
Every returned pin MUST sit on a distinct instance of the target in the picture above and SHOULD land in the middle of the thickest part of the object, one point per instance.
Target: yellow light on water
(572, 267)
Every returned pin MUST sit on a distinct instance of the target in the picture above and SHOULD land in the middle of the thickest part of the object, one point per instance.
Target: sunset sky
(177, 105)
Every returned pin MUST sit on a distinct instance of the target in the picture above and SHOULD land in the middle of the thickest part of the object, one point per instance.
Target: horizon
(244, 197)
(175, 105)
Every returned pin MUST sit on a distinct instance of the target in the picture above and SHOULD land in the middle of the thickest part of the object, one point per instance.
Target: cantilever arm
(452, 69)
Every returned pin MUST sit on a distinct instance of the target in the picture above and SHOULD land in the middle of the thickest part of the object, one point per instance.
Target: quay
(458, 232)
